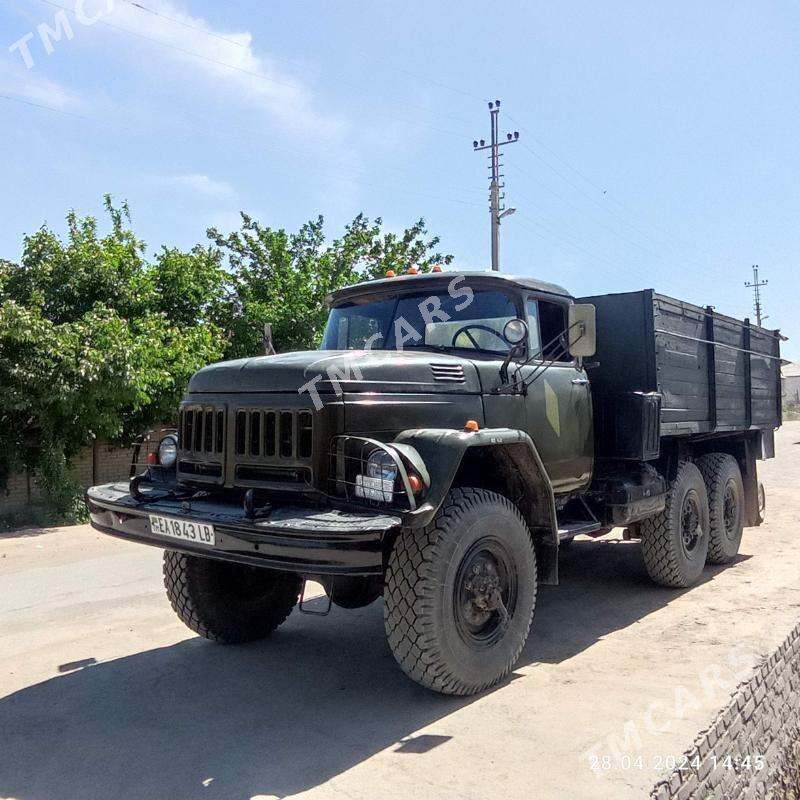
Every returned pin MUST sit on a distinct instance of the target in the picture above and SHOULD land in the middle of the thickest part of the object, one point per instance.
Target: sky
(659, 142)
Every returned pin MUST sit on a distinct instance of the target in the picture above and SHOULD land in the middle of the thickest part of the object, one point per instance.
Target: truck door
(558, 405)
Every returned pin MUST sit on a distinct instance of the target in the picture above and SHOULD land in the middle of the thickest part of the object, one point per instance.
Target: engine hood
(353, 370)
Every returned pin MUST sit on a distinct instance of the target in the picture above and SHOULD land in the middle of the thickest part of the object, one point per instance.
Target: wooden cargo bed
(713, 373)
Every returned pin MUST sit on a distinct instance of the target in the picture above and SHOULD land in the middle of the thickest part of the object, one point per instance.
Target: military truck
(453, 432)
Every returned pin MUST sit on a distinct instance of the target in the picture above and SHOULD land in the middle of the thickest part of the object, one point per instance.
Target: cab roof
(435, 280)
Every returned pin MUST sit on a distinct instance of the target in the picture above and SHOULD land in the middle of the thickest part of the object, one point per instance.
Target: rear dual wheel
(702, 522)
(723, 480)
(675, 542)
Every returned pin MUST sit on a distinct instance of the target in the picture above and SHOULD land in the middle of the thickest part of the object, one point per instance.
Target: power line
(180, 22)
(561, 238)
(182, 50)
(45, 107)
(227, 65)
(583, 212)
(676, 242)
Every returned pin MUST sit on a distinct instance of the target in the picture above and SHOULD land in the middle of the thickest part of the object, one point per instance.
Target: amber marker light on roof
(412, 270)
(471, 425)
(436, 268)
(390, 273)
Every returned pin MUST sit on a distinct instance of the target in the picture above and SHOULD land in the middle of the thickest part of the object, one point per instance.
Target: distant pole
(756, 285)
(496, 210)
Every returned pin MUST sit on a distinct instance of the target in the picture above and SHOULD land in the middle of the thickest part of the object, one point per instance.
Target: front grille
(273, 435)
(201, 443)
(201, 431)
(448, 373)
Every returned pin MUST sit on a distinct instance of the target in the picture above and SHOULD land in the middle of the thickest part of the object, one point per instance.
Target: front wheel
(225, 602)
(459, 594)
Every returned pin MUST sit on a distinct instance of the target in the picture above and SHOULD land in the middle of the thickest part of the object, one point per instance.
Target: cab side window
(534, 341)
(553, 331)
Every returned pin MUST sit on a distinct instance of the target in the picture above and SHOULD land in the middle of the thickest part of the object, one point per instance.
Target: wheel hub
(729, 510)
(691, 530)
(485, 590)
(482, 590)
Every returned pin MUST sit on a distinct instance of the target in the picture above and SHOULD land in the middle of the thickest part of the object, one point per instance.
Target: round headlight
(381, 465)
(168, 451)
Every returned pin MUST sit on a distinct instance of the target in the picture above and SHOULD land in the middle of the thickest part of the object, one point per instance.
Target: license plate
(198, 532)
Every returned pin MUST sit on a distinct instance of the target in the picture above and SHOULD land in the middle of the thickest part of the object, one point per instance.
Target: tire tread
(408, 588)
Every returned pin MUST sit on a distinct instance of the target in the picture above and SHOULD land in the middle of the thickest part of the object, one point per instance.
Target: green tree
(95, 342)
(284, 278)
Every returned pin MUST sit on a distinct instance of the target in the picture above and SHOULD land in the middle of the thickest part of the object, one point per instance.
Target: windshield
(466, 319)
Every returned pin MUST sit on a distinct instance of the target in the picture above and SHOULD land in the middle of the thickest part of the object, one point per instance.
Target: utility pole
(496, 210)
(756, 285)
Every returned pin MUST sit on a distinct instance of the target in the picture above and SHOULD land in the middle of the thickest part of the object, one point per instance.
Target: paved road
(103, 693)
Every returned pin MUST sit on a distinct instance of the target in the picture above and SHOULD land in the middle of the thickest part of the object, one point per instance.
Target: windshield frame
(511, 293)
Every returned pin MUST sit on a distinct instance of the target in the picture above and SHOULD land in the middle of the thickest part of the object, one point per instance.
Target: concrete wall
(761, 721)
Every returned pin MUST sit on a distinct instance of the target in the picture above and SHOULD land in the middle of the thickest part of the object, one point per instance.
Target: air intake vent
(201, 430)
(269, 434)
(447, 373)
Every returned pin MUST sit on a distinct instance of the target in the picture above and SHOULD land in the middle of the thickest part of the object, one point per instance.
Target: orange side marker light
(471, 425)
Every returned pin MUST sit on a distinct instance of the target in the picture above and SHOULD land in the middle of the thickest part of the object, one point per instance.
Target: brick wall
(762, 721)
(101, 463)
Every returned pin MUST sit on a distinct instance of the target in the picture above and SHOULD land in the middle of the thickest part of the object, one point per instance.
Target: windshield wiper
(439, 348)
(442, 348)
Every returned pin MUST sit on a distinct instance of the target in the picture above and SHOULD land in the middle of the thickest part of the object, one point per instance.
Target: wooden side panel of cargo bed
(682, 364)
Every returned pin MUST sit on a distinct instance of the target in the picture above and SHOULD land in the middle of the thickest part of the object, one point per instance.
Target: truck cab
(437, 450)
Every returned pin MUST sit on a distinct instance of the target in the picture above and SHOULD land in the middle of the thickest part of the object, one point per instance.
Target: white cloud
(16, 81)
(228, 60)
(200, 184)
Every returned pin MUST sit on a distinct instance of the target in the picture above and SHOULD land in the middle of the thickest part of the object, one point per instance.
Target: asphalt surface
(104, 694)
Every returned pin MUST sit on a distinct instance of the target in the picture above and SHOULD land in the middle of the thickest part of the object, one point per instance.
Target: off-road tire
(422, 591)
(665, 557)
(723, 479)
(225, 602)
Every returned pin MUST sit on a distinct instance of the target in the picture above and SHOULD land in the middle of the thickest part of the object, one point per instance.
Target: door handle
(580, 381)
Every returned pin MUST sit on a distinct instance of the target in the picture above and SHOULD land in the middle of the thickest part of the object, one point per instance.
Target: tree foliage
(284, 278)
(99, 341)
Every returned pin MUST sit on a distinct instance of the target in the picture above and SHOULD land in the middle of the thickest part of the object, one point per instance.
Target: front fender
(443, 452)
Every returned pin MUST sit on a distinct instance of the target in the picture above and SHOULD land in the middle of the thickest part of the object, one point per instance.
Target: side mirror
(515, 332)
(582, 330)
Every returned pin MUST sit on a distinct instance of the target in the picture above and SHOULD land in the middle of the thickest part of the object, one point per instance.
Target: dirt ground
(103, 693)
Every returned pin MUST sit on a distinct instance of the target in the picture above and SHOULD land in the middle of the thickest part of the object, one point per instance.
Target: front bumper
(291, 538)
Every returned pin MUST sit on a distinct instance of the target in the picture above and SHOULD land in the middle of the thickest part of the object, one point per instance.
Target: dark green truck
(454, 430)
